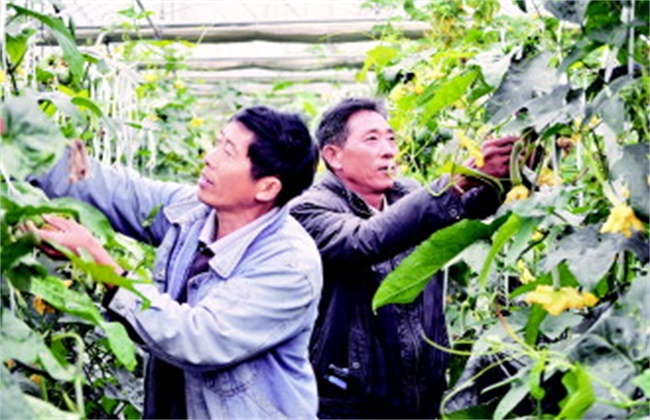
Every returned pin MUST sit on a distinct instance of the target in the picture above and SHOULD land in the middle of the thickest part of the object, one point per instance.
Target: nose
(389, 148)
(210, 157)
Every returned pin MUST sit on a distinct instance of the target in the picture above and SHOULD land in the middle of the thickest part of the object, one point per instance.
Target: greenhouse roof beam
(332, 76)
(305, 32)
(297, 63)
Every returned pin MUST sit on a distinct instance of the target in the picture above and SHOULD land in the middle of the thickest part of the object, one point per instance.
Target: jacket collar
(228, 257)
(358, 204)
(229, 250)
(186, 211)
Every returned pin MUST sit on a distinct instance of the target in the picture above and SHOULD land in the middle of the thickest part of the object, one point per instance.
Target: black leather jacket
(376, 362)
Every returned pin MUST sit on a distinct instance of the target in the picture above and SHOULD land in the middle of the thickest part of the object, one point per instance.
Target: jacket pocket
(232, 381)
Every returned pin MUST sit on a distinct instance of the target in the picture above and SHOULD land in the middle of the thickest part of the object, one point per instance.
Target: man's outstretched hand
(496, 158)
(73, 236)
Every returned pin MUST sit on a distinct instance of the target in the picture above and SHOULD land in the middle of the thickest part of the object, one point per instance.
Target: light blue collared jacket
(242, 337)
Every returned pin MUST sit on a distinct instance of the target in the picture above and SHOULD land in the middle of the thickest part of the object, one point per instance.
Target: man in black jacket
(364, 223)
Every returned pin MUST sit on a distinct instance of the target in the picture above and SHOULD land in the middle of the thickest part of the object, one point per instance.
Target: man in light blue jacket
(236, 281)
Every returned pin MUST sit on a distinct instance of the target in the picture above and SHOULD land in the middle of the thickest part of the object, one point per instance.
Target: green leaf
(31, 139)
(580, 394)
(518, 391)
(66, 41)
(379, 56)
(406, 282)
(54, 292)
(569, 10)
(19, 342)
(535, 378)
(643, 382)
(14, 251)
(560, 106)
(494, 65)
(446, 94)
(85, 103)
(501, 237)
(89, 216)
(17, 44)
(633, 170)
(45, 410)
(13, 404)
(609, 104)
(537, 315)
(525, 80)
(589, 254)
(521, 238)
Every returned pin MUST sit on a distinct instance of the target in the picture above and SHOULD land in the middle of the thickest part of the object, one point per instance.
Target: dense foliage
(547, 301)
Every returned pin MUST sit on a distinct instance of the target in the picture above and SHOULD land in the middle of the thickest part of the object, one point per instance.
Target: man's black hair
(333, 129)
(282, 147)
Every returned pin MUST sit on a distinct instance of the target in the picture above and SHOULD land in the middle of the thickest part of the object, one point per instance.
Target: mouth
(390, 170)
(204, 181)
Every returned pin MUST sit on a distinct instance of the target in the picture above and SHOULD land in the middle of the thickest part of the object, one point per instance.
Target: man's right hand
(496, 155)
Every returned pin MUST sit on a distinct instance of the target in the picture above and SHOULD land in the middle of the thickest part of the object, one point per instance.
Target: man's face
(366, 161)
(226, 182)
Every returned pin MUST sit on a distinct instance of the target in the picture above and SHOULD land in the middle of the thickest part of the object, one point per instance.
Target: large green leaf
(406, 282)
(21, 343)
(519, 389)
(494, 65)
(610, 347)
(44, 410)
(643, 382)
(633, 170)
(569, 10)
(446, 94)
(13, 404)
(525, 80)
(580, 394)
(52, 290)
(66, 41)
(17, 41)
(560, 106)
(609, 104)
(589, 254)
(89, 216)
(31, 140)
(505, 232)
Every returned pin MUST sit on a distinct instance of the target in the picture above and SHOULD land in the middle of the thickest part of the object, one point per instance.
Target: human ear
(332, 155)
(268, 188)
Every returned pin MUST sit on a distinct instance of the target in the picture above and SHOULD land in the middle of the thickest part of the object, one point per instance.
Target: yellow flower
(594, 121)
(525, 276)
(2, 76)
(35, 378)
(179, 85)
(589, 299)
(41, 306)
(473, 149)
(549, 178)
(150, 78)
(152, 117)
(557, 301)
(196, 122)
(621, 220)
(538, 235)
(437, 75)
(625, 193)
(518, 192)
(418, 89)
(10, 364)
(67, 283)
